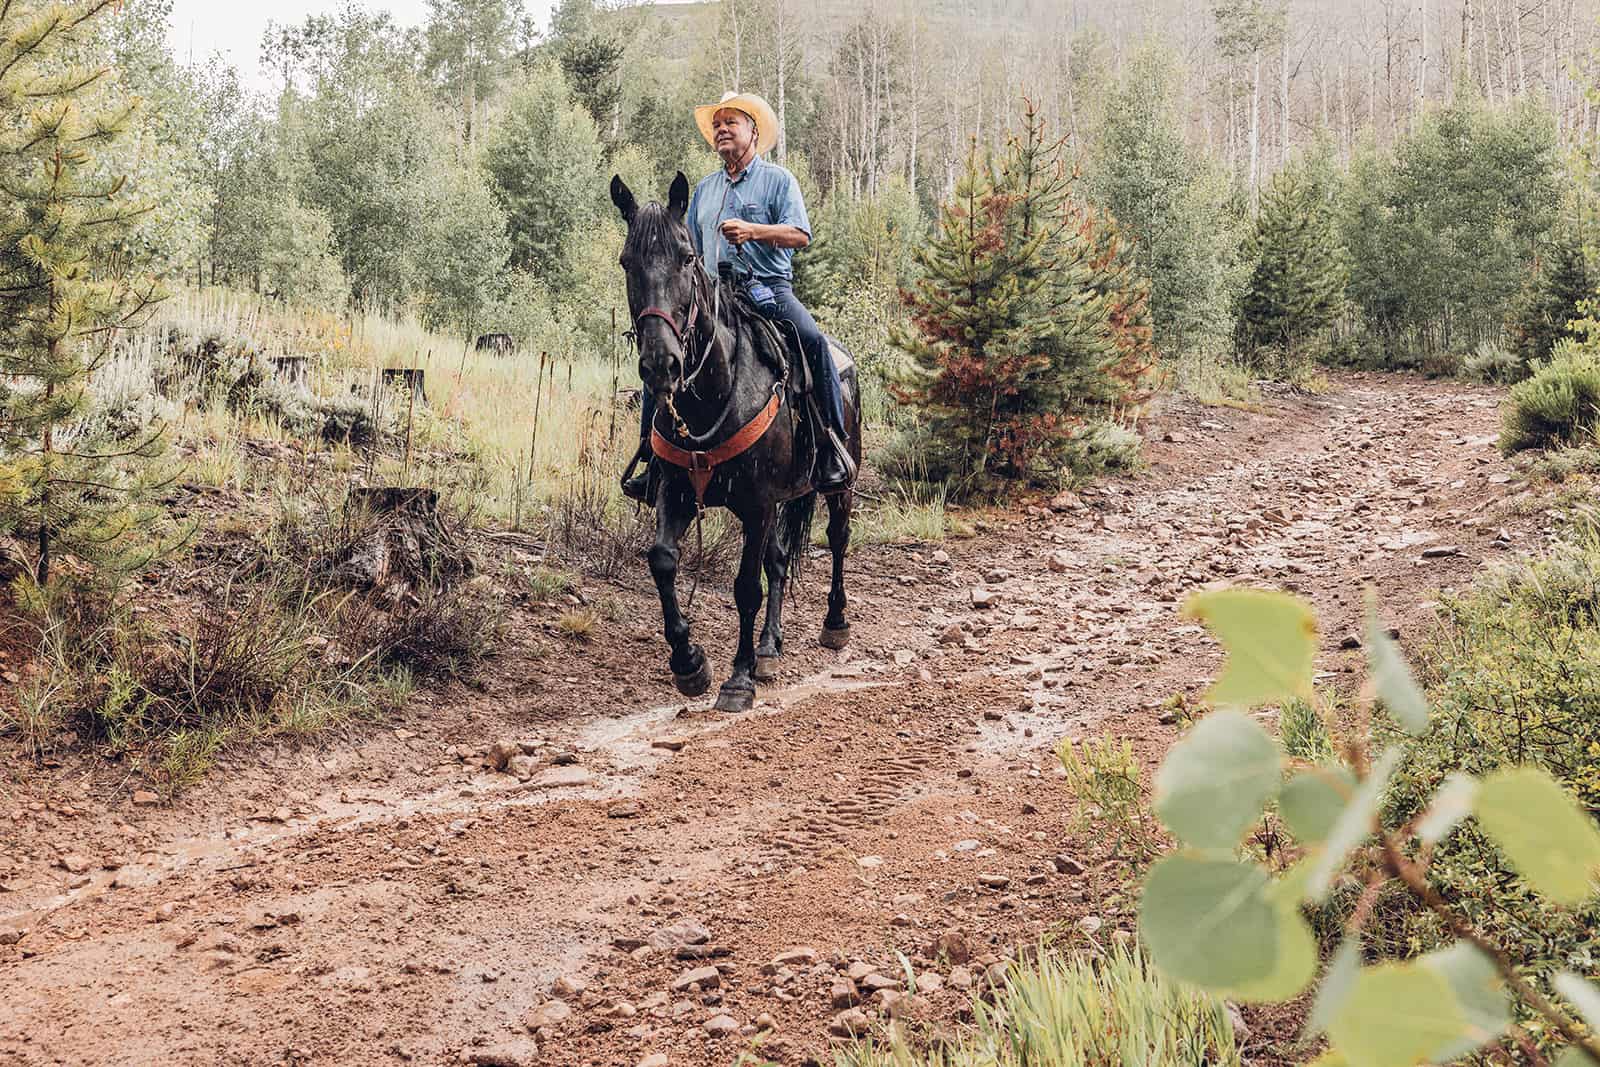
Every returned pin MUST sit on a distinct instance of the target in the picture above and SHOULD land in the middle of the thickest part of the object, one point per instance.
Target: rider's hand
(738, 231)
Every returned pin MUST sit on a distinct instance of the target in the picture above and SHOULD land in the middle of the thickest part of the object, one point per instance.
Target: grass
(902, 513)
(1216, 380)
(1070, 1010)
(1565, 463)
(579, 624)
(519, 423)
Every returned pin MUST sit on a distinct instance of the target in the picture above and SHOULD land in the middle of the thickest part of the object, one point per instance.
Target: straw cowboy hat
(760, 113)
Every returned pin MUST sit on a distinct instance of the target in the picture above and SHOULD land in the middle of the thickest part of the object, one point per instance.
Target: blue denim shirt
(766, 194)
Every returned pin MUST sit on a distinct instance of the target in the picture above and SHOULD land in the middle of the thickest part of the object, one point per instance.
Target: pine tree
(975, 326)
(1298, 282)
(62, 298)
(1028, 316)
(1557, 283)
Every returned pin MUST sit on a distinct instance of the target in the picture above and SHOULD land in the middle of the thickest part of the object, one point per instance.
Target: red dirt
(382, 899)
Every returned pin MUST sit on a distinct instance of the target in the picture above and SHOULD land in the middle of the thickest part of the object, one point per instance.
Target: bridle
(685, 334)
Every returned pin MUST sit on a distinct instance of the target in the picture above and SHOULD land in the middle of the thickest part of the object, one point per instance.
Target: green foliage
(1172, 201)
(67, 291)
(1025, 318)
(1103, 778)
(1558, 284)
(1493, 363)
(544, 157)
(1208, 810)
(1297, 283)
(1207, 918)
(1070, 1010)
(1558, 406)
(1440, 234)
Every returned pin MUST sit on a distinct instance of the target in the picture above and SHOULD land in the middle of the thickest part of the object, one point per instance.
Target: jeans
(786, 307)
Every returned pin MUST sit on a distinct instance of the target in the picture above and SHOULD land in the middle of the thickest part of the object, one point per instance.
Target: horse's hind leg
(690, 672)
(770, 647)
(835, 630)
(739, 691)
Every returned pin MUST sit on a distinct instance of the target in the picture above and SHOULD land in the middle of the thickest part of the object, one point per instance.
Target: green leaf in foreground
(1451, 804)
(1336, 986)
(1296, 955)
(1477, 986)
(1208, 921)
(1354, 825)
(1312, 800)
(1584, 997)
(1392, 678)
(1215, 782)
(1271, 640)
(1549, 841)
(1396, 1015)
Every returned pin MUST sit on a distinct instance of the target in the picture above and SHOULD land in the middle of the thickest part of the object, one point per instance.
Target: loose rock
(552, 1013)
(704, 977)
(852, 1022)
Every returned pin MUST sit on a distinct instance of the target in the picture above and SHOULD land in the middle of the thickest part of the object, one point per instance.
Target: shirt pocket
(753, 213)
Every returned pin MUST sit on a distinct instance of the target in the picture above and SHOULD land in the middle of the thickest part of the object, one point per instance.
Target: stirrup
(637, 486)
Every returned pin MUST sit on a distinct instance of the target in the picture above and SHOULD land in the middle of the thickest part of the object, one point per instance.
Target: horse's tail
(794, 532)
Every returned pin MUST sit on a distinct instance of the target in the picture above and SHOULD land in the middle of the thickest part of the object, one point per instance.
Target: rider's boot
(835, 471)
(637, 486)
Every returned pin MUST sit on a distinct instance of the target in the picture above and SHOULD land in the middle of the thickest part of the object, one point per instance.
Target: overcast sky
(234, 27)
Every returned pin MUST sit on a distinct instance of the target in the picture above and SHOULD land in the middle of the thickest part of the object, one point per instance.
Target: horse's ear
(678, 196)
(622, 196)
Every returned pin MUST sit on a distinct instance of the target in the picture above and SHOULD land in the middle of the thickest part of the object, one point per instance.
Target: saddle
(778, 346)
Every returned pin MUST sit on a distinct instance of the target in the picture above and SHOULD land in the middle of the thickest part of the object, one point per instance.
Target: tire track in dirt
(419, 918)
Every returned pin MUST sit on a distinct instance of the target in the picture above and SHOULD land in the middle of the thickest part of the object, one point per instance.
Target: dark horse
(713, 366)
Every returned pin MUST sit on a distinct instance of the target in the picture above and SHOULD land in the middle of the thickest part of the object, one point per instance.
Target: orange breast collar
(702, 465)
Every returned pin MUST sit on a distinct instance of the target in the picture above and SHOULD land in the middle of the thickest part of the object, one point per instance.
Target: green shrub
(336, 420)
(1076, 1011)
(1099, 447)
(1559, 405)
(1514, 673)
(1493, 363)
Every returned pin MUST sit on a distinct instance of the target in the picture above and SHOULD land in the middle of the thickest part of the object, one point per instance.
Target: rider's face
(734, 132)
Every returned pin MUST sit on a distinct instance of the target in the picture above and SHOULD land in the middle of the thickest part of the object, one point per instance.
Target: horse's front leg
(690, 672)
(739, 691)
(835, 629)
(770, 648)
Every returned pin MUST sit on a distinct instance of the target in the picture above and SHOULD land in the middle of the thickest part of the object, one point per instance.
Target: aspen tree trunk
(1283, 100)
(1422, 62)
(1255, 131)
(781, 27)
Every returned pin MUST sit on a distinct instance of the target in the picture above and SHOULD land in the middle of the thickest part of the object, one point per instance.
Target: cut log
(295, 370)
(399, 543)
(407, 378)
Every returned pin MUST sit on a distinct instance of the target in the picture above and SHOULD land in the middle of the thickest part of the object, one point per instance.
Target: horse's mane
(652, 227)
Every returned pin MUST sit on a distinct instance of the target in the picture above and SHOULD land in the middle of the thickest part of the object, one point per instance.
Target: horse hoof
(694, 683)
(766, 668)
(835, 638)
(735, 699)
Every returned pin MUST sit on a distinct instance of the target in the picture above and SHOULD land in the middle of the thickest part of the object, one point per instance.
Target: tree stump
(399, 543)
(408, 377)
(499, 344)
(295, 370)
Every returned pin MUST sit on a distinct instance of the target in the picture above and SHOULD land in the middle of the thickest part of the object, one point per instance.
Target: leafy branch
(1233, 928)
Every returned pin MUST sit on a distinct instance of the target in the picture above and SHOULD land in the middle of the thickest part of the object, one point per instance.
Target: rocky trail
(571, 867)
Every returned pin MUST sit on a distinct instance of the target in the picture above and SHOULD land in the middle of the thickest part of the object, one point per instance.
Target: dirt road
(678, 882)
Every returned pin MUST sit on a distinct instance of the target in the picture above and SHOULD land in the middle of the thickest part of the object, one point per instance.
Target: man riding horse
(746, 220)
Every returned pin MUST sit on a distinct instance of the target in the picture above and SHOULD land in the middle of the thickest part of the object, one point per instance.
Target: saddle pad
(842, 360)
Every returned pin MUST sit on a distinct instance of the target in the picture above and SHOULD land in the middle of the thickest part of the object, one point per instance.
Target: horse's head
(665, 280)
